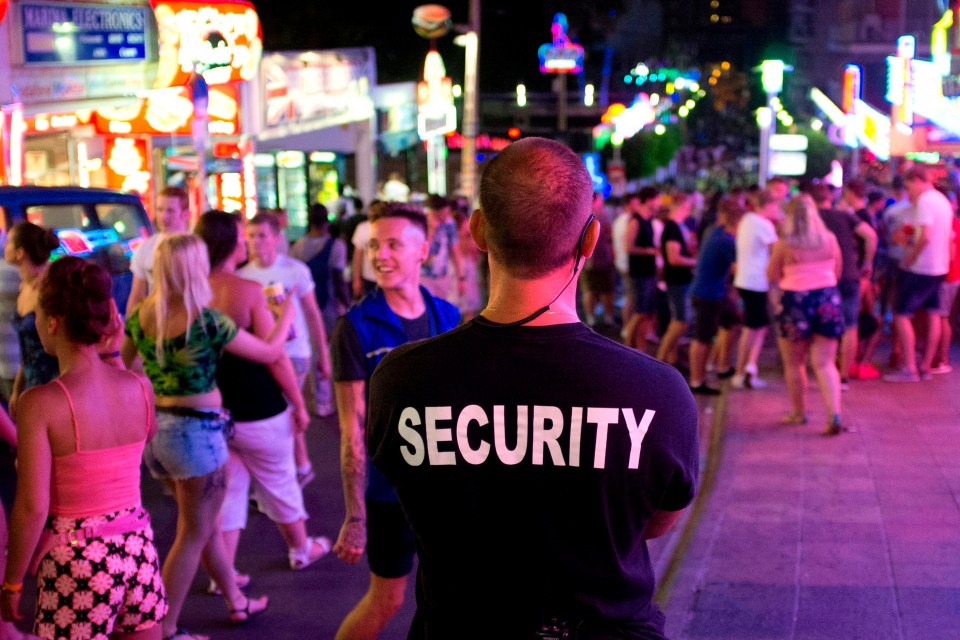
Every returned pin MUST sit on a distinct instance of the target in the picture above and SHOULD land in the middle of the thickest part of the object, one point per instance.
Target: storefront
(316, 130)
(132, 97)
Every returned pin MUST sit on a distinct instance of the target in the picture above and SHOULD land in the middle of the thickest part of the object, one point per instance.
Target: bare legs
(748, 351)
(667, 352)
(908, 342)
(822, 353)
(380, 603)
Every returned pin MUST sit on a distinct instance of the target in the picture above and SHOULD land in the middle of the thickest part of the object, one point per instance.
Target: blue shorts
(850, 301)
(915, 291)
(808, 313)
(185, 446)
(678, 298)
(645, 293)
(390, 543)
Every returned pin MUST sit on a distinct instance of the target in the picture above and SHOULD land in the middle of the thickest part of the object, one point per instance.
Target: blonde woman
(805, 264)
(179, 340)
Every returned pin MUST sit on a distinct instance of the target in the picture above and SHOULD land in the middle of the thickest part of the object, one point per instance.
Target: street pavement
(794, 536)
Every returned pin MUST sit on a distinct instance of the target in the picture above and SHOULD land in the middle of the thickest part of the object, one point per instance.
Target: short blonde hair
(181, 268)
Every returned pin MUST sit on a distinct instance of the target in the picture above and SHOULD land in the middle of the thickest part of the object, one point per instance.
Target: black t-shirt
(644, 266)
(843, 223)
(671, 274)
(532, 458)
(346, 354)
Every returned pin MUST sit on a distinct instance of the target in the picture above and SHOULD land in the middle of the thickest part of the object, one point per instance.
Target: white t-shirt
(141, 263)
(395, 191)
(619, 230)
(933, 210)
(893, 218)
(755, 235)
(361, 240)
(297, 281)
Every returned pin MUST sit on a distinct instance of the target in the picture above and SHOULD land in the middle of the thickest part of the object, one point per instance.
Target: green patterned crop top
(190, 360)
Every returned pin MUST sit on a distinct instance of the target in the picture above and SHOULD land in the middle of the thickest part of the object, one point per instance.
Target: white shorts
(262, 452)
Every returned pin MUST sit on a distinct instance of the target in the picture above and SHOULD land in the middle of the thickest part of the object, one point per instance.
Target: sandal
(183, 634)
(793, 419)
(242, 580)
(247, 613)
(834, 428)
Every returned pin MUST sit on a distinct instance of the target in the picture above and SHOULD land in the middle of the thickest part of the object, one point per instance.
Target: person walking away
(805, 265)
(850, 231)
(172, 216)
(444, 240)
(926, 241)
(77, 520)
(398, 311)
(531, 477)
(270, 268)
(325, 255)
(28, 248)
(679, 258)
(598, 283)
(710, 292)
(261, 449)
(756, 234)
(178, 340)
(643, 250)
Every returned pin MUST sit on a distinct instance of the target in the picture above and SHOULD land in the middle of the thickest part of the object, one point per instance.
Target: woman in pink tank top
(77, 511)
(803, 272)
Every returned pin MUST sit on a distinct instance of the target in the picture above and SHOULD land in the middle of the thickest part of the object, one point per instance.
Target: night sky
(511, 32)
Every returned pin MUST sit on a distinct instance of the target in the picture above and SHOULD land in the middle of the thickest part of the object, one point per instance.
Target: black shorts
(710, 315)
(916, 291)
(390, 544)
(755, 314)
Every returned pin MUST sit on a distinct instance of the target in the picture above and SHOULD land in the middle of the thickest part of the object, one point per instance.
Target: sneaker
(316, 548)
(305, 476)
(242, 580)
(738, 381)
(902, 375)
(704, 390)
(723, 375)
(754, 382)
(940, 368)
(866, 371)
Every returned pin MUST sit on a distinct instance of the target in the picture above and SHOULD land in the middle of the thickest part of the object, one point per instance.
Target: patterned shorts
(88, 591)
(806, 313)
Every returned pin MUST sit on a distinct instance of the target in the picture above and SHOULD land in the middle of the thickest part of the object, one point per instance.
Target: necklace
(524, 313)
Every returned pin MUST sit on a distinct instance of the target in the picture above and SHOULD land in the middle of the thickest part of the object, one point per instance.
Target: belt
(191, 413)
(128, 523)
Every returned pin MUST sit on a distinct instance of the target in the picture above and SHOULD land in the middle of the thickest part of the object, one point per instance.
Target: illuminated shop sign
(561, 55)
(82, 33)
(169, 111)
(873, 130)
(437, 115)
(127, 163)
(223, 42)
(317, 86)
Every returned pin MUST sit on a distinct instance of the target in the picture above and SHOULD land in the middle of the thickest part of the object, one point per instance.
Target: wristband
(108, 356)
(12, 588)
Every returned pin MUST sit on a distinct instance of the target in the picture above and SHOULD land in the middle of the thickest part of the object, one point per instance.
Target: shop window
(59, 216)
(122, 218)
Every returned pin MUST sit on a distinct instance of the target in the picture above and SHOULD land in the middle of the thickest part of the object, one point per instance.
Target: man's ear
(477, 231)
(590, 239)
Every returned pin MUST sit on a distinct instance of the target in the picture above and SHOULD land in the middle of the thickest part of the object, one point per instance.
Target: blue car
(100, 225)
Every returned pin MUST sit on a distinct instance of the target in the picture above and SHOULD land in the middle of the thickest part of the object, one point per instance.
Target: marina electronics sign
(82, 33)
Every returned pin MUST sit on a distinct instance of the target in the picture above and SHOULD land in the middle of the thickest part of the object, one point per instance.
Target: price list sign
(82, 33)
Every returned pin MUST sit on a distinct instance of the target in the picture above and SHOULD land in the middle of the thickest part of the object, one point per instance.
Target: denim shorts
(645, 293)
(186, 446)
(678, 297)
(850, 301)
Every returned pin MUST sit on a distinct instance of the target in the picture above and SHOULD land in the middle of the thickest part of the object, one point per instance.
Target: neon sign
(560, 56)
(222, 42)
(873, 130)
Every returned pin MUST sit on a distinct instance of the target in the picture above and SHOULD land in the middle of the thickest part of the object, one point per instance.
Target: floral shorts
(806, 313)
(88, 591)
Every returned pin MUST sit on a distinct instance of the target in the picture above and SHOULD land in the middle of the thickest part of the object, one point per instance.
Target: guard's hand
(9, 606)
(352, 541)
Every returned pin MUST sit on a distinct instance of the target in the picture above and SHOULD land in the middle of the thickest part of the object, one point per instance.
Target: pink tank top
(808, 276)
(91, 483)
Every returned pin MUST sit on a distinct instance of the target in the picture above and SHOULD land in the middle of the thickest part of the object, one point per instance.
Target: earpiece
(583, 235)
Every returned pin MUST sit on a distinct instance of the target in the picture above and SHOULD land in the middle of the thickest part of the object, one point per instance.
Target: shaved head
(535, 197)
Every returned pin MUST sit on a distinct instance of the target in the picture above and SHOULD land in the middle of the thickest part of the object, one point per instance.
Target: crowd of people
(233, 338)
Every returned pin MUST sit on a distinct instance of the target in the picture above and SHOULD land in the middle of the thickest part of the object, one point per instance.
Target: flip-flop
(246, 614)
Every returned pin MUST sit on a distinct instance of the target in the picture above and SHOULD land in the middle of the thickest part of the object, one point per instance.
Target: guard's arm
(660, 523)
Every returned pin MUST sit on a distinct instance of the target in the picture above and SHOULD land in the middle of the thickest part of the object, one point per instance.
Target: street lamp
(764, 121)
(771, 77)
